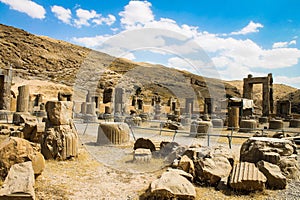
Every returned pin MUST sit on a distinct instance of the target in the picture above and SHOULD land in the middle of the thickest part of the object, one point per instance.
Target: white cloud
(252, 27)
(86, 18)
(91, 42)
(62, 14)
(28, 7)
(109, 20)
(293, 42)
(280, 44)
(233, 58)
(284, 44)
(295, 81)
(136, 13)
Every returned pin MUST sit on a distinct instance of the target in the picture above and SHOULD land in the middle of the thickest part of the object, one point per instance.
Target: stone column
(189, 106)
(233, 117)
(119, 100)
(83, 108)
(5, 87)
(23, 98)
(90, 108)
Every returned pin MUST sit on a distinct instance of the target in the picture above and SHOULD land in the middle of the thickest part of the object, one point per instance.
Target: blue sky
(224, 39)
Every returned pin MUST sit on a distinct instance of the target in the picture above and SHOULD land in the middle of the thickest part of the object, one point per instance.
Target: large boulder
(171, 185)
(17, 150)
(145, 144)
(265, 148)
(186, 164)
(19, 183)
(275, 178)
(212, 170)
(59, 112)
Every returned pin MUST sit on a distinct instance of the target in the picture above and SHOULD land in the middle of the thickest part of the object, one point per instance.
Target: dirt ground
(87, 177)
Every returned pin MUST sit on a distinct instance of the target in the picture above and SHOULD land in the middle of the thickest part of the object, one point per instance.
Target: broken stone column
(90, 115)
(60, 140)
(246, 177)
(23, 98)
(189, 106)
(233, 118)
(113, 133)
(157, 111)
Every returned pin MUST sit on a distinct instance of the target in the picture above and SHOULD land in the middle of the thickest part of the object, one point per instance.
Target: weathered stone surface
(21, 117)
(17, 150)
(59, 112)
(19, 183)
(171, 151)
(212, 170)
(200, 128)
(23, 98)
(275, 124)
(186, 164)
(290, 167)
(264, 148)
(37, 133)
(295, 123)
(246, 177)
(5, 132)
(38, 163)
(275, 178)
(60, 142)
(171, 185)
(144, 143)
(113, 132)
(247, 125)
(182, 173)
(195, 153)
(142, 155)
(217, 123)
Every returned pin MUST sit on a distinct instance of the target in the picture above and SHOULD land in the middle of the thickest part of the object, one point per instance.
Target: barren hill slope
(43, 58)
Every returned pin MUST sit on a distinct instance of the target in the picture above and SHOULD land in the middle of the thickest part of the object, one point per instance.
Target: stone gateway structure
(267, 104)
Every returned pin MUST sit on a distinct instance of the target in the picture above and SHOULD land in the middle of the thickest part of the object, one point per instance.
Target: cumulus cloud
(88, 17)
(252, 27)
(109, 20)
(28, 7)
(62, 14)
(233, 58)
(136, 14)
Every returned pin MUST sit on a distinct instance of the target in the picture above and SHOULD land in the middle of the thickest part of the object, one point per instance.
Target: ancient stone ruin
(60, 140)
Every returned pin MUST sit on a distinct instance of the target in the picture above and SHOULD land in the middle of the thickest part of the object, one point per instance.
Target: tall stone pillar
(119, 101)
(5, 87)
(23, 98)
(233, 117)
(189, 106)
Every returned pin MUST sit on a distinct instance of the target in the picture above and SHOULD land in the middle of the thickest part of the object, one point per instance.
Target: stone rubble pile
(264, 163)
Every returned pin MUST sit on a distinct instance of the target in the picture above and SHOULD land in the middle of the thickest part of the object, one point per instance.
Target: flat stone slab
(19, 183)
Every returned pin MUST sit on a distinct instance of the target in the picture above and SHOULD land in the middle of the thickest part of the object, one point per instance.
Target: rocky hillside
(43, 58)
